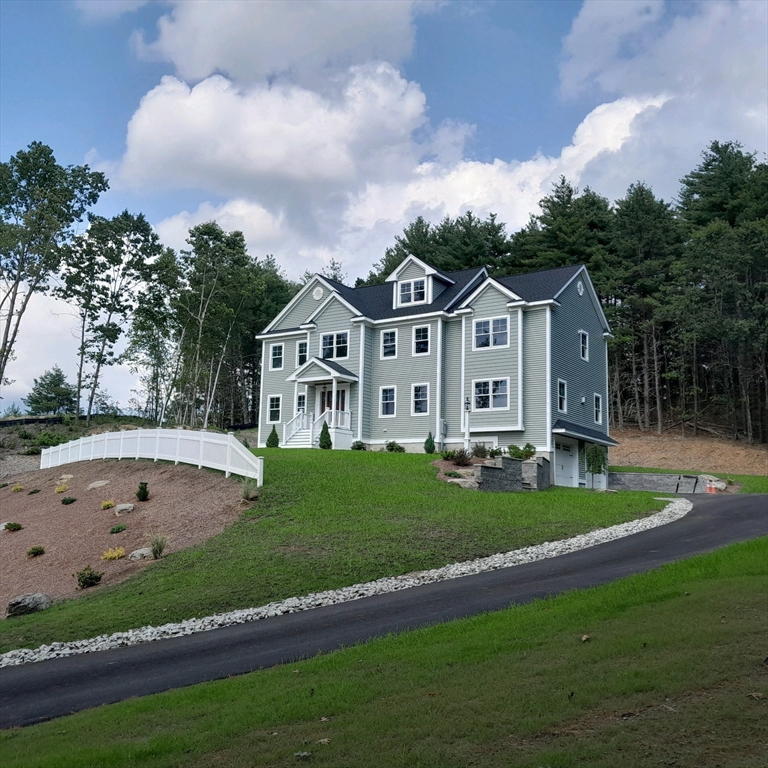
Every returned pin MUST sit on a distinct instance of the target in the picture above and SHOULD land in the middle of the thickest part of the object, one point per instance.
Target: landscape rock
(97, 484)
(2, 526)
(29, 603)
(123, 508)
(145, 553)
(64, 478)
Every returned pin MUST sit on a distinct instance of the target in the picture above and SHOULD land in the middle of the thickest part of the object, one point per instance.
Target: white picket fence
(203, 449)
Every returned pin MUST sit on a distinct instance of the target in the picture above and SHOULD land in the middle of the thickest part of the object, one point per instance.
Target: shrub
(479, 452)
(33, 450)
(325, 437)
(108, 504)
(47, 439)
(429, 444)
(17, 488)
(524, 453)
(117, 528)
(358, 445)
(452, 473)
(596, 461)
(13, 527)
(4, 485)
(143, 493)
(245, 443)
(249, 489)
(462, 458)
(495, 452)
(68, 500)
(273, 441)
(88, 577)
(158, 544)
(35, 551)
(33, 492)
(25, 434)
(61, 488)
(394, 447)
(114, 554)
(448, 455)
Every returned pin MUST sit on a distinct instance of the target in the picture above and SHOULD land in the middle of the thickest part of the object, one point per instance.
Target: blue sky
(322, 129)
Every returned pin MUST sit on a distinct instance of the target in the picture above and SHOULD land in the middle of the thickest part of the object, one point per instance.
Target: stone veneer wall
(640, 481)
(536, 474)
(507, 477)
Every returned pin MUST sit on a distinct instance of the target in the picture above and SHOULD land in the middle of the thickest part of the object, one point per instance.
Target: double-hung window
(388, 344)
(421, 340)
(492, 333)
(413, 292)
(274, 409)
(584, 345)
(301, 353)
(420, 399)
(276, 357)
(491, 395)
(562, 396)
(388, 397)
(301, 403)
(598, 409)
(335, 345)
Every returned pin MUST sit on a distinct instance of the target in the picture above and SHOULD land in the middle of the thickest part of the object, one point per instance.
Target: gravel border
(672, 512)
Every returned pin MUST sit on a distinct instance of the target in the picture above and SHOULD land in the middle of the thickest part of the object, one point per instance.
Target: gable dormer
(415, 283)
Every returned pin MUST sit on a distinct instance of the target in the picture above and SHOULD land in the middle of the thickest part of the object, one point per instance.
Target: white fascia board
(481, 275)
(592, 294)
(295, 299)
(279, 335)
(333, 297)
(542, 303)
(489, 282)
(406, 318)
(413, 260)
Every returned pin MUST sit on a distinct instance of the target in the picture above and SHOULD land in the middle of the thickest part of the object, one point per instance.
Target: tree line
(684, 286)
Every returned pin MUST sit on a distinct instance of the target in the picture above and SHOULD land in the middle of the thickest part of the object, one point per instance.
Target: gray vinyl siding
(584, 378)
(275, 384)
(303, 309)
(534, 380)
(403, 373)
(371, 340)
(492, 363)
(452, 405)
(438, 286)
(411, 272)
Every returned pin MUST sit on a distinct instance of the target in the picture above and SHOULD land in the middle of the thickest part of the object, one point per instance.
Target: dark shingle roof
(539, 286)
(575, 430)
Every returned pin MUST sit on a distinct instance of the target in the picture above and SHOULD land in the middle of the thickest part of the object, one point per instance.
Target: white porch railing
(203, 449)
(300, 421)
(334, 419)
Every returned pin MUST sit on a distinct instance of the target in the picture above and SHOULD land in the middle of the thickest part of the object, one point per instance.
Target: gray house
(470, 358)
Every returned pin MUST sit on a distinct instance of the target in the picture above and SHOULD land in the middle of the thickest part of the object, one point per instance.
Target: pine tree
(273, 441)
(325, 438)
(429, 444)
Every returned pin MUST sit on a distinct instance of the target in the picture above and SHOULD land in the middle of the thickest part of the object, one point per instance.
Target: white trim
(413, 399)
(490, 407)
(520, 367)
(295, 300)
(282, 356)
(399, 303)
(565, 395)
(542, 303)
(278, 335)
(389, 415)
(306, 341)
(548, 375)
(491, 345)
(594, 407)
(381, 343)
(361, 384)
(262, 413)
(490, 282)
(414, 353)
(428, 270)
(583, 346)
(269, 408)
(481, 275)
(334, 334)
(320, 363)
(592, 295)
(462, 410)
(439, 384)
(607, 395)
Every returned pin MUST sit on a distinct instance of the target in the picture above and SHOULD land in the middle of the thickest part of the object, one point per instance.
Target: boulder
(97, 484)
(145, 553)
(123, 508)
(30, 603)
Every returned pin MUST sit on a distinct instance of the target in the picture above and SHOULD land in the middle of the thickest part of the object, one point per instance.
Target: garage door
(565, 464)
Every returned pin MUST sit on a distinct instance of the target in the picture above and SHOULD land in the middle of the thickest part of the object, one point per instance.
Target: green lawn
(328, 519)
(747, 483)
(673, 673)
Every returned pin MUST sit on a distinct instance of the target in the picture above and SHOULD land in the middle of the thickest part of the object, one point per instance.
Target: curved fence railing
(202, 449)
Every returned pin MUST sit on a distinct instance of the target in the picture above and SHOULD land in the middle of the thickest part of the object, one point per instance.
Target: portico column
(334, 394)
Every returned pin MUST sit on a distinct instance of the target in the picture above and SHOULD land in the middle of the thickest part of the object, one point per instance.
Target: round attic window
(317, 294)
(579, 288)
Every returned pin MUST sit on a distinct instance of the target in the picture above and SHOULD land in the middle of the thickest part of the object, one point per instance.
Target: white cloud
(307, 41)
(101, 10)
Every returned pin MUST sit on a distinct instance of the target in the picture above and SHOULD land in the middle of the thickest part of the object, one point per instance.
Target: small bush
(61, 488)
(46, 439)
(273, 441)
(35, 551)
(88, 577)
(158, 544)
(394, 447)
(4, 485)
(448, 455)
(17, 488)
(117, 528)
(13, 527)
(249, 489)
(325, 437)
(143, 493)
(33, 450)
(528, 451)
(33, 492)
(108, 504)
(114, 553)
(358, 445)
(245, 443)
(494, 453)
(25, 434)
(479, 452)
(452, 473)
(429, 444)
(462, 458)
(68, 500)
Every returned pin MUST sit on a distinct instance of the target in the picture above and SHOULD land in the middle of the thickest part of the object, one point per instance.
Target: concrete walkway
(41, 691)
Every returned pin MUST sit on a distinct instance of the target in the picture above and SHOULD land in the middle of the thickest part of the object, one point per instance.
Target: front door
(326, 400)
(566, 458)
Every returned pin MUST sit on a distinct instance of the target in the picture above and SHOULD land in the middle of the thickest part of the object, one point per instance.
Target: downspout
(361, 383)
(439, 385)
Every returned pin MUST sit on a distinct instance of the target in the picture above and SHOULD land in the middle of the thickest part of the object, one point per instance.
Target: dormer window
(413, 292)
